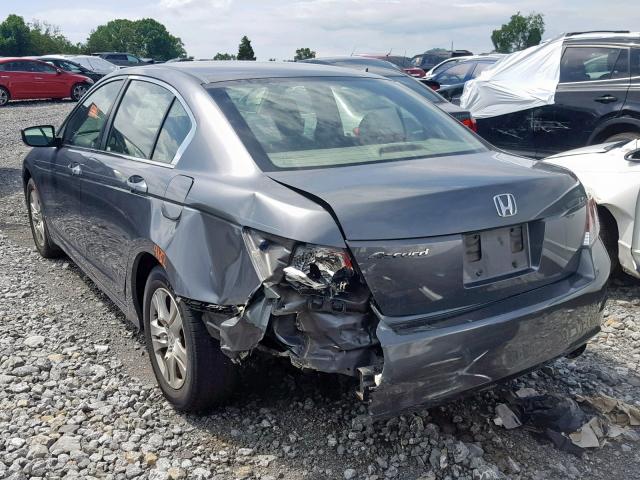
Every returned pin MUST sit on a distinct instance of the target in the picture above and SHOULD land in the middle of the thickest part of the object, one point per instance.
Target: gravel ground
(78, 398)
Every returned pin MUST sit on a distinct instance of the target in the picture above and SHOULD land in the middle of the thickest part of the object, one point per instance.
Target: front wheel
(191, 370)
(78, 91)
(41, 237)
(4, 96)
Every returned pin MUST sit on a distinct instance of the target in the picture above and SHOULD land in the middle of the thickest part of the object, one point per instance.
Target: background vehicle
(387, 70)
(444, 64)
(611, 173)
(426, 61)
(70, 66)
(458, 73)
(93, 63)
(123, 59)
(596, 100)
(403, 63)
(22, 79)
(323, 213)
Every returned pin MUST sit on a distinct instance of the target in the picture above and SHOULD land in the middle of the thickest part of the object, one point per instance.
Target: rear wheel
(45, 246)
(191, 370)
(78, 91)
(4, 96)
(623, 136)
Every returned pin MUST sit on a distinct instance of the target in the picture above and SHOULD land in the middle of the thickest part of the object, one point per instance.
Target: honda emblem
(505, 204)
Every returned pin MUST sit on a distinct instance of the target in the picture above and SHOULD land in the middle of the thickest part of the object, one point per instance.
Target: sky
(329, 27)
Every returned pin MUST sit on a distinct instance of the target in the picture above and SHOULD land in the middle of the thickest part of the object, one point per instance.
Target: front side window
(42, 67)
(138, 119)
(85, 125)
(327, 122)
(635, 62)
(481, 67)
(132, 59)
(70, 67)
(586, 64)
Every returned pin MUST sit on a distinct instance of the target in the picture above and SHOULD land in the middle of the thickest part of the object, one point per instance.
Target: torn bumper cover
(428, 364)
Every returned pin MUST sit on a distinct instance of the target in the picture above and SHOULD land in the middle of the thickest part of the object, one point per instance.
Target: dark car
(596, 100)
(123, 59)
(404, 63)
(25, 78)
(385, 69)
(322, 214)
(71, 66)
(426, 61)
(459, 73)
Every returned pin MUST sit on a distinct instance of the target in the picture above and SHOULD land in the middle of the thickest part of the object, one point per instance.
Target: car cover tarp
(519, 81)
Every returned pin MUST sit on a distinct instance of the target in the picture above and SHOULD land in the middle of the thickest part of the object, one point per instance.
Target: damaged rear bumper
(428, 363)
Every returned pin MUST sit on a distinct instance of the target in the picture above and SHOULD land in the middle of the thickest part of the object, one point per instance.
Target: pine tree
(245, 51)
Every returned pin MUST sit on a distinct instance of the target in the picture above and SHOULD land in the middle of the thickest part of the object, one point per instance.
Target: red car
(22, 78)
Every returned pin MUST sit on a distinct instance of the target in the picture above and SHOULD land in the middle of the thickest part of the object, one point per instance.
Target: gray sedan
(321, 214)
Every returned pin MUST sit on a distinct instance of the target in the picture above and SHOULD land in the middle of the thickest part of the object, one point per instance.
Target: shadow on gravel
(10, 181)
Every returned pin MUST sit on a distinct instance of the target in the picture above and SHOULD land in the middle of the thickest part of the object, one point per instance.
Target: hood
(430, 196)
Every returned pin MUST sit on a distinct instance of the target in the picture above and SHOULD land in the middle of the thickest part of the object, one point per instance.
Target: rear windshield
(315, 122)
(420, 88)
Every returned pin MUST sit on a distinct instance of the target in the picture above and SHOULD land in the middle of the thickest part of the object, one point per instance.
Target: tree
(520, 33)
(146, 38)
(47, 38)
(245, 51)
(304, 53)
(224, 56)
(15, 38)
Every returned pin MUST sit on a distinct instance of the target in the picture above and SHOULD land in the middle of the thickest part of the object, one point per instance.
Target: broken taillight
(319, 268)
(592, 223)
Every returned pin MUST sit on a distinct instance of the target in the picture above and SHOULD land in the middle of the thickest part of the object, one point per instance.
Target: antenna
(354, 50)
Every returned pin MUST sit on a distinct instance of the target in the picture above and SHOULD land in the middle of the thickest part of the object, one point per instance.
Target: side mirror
(59, 71)
(40, 136)
(633, 156)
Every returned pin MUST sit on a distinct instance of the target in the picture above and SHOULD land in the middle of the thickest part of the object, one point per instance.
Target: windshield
(316, 122)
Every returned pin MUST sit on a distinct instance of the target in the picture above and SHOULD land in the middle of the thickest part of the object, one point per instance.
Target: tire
(37, 221)
(78, 91)
(623, 136)
(4, 96)
(191, 370)
(609, 237)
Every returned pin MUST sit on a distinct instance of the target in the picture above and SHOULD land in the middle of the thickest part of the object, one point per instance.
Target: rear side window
(455, 74)
(635, 62)
(85, 125)
(587, 64)
(138, 119)
(175, 129)
(481, 67)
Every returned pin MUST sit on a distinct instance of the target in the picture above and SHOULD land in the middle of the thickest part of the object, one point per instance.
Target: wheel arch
(612, 127)
(142, 266)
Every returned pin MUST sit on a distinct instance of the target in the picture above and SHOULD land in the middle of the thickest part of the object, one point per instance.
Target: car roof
(603, 37)
(222, 70)
(22, 59)
(382, 68)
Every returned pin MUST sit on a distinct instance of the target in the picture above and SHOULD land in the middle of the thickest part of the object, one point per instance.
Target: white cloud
(278, 27)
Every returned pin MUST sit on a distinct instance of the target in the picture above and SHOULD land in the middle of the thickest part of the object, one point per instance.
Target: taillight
(471, 123)
(592, 223)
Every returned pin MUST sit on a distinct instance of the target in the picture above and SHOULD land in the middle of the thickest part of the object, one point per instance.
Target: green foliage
(304, 53)
(47, 38)
(145, 38)
(224, 56)
(18, 38)
(521, 32)
(245, 51)
(15, 38)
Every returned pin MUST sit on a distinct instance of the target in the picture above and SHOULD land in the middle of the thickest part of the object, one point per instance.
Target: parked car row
(320, 213)
(58, 76)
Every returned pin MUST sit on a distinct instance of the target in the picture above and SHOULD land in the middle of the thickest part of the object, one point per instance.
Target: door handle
(137, 184)
(606, 99)
(75, 168)
(38, 78)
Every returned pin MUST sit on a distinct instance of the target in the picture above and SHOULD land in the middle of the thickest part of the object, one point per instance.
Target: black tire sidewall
(48, 248)
(73, 92)
(158, 279)
(8, 97)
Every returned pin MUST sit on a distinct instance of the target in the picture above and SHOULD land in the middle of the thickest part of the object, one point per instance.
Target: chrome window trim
(187, 140)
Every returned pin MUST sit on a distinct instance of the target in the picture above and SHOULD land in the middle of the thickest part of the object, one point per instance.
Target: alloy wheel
(36, 216)
(78, 91)
(168, 338)
(4, 97)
